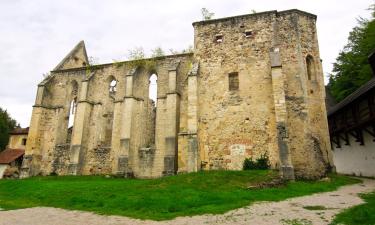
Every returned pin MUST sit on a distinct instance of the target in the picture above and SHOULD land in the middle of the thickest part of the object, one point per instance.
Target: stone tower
(253, 86)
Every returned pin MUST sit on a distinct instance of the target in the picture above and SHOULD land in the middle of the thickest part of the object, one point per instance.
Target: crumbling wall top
(275, 12)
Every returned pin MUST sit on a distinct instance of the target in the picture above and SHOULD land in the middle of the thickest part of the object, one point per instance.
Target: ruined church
(252, 86)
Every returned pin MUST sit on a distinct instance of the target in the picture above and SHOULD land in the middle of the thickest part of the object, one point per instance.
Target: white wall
(2, 170)
(354, 158)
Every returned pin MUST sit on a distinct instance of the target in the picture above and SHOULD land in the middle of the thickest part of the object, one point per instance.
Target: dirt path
(272, 213)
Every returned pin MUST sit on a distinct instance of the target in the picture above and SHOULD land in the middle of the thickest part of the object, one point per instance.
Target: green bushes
(261, 163)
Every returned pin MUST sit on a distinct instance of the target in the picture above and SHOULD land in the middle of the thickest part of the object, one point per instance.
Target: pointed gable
(76, 58)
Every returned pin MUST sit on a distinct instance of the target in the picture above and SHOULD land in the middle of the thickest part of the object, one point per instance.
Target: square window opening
(248, 33)
(219, 38)
(234, 83)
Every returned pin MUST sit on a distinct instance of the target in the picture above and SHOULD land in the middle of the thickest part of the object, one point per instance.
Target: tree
(157, 52)
(351, 69)
(207, 15)
(7, 124)
(136, 54)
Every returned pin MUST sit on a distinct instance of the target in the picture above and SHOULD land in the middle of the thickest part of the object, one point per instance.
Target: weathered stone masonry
(254, 85)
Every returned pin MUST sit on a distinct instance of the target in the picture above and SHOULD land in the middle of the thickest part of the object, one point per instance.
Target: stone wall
(277, 109)
(235, 124)
(16, 141)
(253, 86)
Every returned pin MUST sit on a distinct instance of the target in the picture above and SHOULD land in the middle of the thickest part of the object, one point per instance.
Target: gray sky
(37, 34)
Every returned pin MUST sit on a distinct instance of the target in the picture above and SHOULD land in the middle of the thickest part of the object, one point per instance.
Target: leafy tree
(7, 124)
(136, 54)
(207, 15)
(351, 69)
(157, 52)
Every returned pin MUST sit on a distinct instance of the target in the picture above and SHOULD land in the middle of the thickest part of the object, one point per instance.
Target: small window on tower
(24, 141)
(310, 68)
(234, 83)
(219, 38)
(248, 33)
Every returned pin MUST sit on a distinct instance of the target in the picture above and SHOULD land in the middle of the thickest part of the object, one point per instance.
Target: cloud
(37, 34)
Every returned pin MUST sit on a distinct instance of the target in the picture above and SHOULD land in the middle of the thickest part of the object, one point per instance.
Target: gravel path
(264, 213)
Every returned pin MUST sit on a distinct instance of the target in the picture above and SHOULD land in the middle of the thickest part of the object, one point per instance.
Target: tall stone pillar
(286, 167)
(31, 160)
(173, 106)
(192, 121)
(116, 132)
(123, 167)
(77, 149)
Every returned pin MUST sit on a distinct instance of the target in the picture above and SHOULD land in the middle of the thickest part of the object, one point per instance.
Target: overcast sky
(37, 34)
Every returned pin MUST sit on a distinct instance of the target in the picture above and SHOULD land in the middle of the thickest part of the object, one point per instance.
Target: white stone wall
(3, 167)
(355, 158)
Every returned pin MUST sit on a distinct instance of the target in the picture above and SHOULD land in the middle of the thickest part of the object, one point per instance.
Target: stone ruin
(253, 85)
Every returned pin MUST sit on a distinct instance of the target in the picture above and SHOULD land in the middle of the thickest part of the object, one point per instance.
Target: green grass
(159, 199)
(363, 214)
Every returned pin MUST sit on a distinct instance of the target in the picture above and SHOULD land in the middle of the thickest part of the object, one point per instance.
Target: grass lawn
(363, 214)
(159, 199)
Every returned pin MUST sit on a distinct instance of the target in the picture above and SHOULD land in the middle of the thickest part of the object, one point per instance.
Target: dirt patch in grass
(315, 207)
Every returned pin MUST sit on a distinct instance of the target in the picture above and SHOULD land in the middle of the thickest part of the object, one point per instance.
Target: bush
(261, 163)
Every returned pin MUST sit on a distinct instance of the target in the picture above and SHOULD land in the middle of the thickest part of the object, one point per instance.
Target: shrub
(261, 163)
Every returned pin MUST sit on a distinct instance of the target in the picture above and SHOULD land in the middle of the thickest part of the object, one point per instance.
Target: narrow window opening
(219, 38)
(24, 141)
(72, 107)
(248, 33)
(233, 81)
(310, 67)
(112, 86)
(72, 112)
(153, 88)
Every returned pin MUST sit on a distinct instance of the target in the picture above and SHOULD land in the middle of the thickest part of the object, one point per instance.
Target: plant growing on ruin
(157, 52)
(261, 163)
(189, 49)
(137, 58)
(93, 60)
(207, 15)
(45, 75)
(136, 53)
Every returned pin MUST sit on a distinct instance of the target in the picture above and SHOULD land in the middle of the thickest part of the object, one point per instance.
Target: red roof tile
(9, 155)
